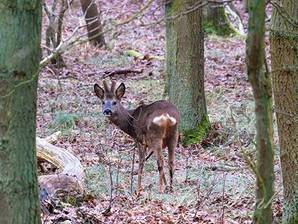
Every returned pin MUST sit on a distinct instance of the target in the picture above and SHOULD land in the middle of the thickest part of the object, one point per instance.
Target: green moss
(196, 135)
(220, 27)
(176, 6)
(226, 30)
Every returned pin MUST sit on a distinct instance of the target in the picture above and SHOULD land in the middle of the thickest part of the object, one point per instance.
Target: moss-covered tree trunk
(216, 20)
(20, 28)
(93, 22)
(284, 54)
(261, 85)
(185, 68)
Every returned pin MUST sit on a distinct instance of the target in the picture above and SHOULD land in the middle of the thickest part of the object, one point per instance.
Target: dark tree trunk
(284, 54)
(93, 22)
(260, 80)
(20, 29)
(185, 68)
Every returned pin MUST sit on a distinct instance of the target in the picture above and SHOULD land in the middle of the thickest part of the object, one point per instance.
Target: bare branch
(72, 41)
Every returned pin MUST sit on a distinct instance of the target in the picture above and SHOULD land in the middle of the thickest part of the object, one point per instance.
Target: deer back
(156, 120)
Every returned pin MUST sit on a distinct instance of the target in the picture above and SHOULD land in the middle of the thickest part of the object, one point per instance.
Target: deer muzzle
(107, 112)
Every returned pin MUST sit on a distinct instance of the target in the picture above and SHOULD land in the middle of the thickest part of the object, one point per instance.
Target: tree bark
(261, 85)
(216, 20)
(284, 54)
(20, 30)
(92, 19)
(185, 68)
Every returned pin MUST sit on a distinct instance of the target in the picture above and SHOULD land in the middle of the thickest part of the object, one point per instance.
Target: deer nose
(107, 112)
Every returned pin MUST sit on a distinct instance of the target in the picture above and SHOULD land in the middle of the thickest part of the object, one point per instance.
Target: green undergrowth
(194, 136)
(64, 120)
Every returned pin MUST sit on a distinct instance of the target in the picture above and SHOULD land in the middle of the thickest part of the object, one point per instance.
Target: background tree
(92, 19)
(284, 54)
(20, 30)
(185, 67)
(245, 5)
(261, 85)
(216, 20)
(54, 28)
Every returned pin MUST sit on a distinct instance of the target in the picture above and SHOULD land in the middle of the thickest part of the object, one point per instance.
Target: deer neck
(124, 120)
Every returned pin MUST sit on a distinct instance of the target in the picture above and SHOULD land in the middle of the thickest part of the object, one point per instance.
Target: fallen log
(53, 137)
(138, 55)
(71, 174)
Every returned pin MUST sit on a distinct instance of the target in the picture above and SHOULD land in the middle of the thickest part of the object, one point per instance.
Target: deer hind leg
(142, 151)
(157, 149)
(172, 143)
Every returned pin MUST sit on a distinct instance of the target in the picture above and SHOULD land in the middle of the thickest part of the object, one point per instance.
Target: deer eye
(114, 103)
(103, 102)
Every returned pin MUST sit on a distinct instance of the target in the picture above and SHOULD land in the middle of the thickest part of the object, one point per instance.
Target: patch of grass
(64, 121)
(237, 117)
(150, 166)
(100, 121)
(151, 89)
(96, 180)
(111, 60)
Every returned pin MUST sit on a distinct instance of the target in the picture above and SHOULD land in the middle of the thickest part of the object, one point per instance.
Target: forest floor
(213, 181)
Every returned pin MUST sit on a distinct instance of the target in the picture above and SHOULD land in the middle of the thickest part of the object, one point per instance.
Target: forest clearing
(214, 179)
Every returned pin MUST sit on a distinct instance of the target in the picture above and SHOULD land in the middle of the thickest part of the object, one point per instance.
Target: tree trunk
(284, 54)
(92, 19)
(185, 68)
(20, 29)
(216, 20)
(245, 5)
(54, 29)
(261, 85)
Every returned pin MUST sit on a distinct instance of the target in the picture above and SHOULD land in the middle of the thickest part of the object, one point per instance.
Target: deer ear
(120, 91)
(99, 91)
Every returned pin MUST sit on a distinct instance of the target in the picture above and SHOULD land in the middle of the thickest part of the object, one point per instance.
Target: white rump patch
(160, 120)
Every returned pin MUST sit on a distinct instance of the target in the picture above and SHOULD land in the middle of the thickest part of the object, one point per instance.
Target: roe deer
(153, 126)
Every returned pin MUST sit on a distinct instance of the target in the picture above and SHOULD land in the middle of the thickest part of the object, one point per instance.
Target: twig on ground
(121, 72)
(117, 175)
(222, 221)
(187, 166)
(132, 169)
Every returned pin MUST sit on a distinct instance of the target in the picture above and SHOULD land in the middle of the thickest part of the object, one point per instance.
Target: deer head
(110, 97)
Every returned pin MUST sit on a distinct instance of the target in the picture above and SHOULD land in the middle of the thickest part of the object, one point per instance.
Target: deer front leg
(141, 167)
